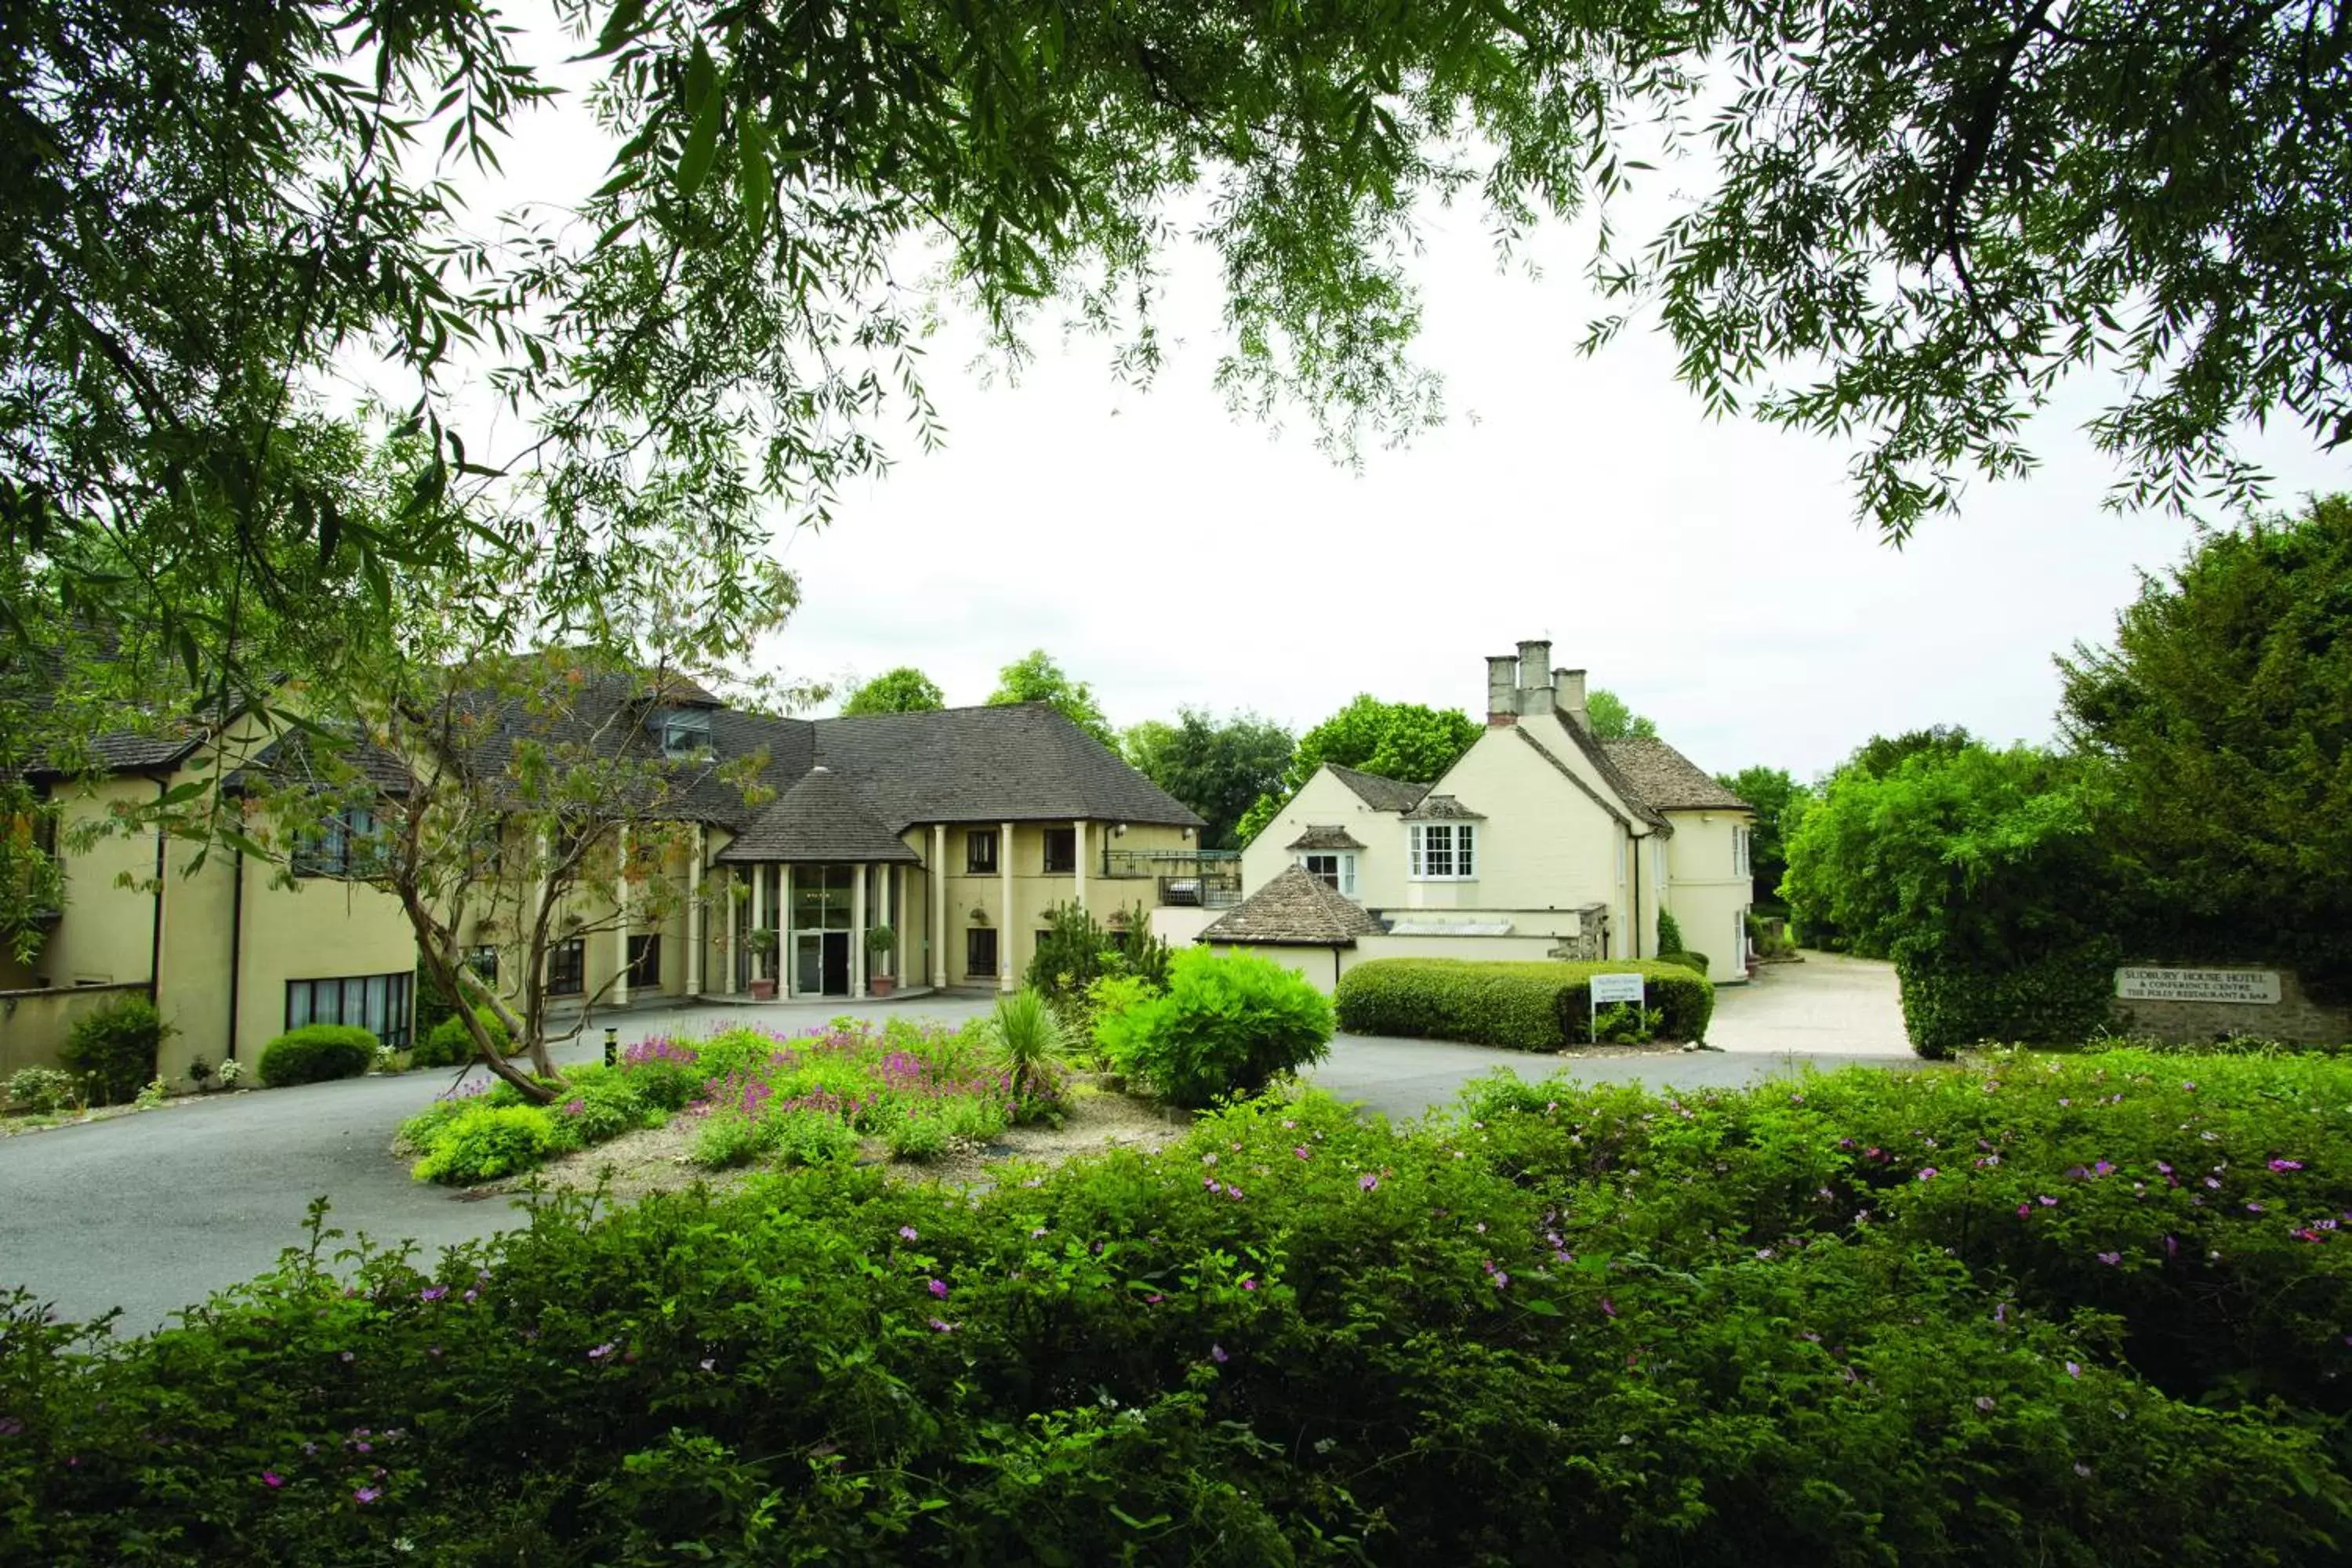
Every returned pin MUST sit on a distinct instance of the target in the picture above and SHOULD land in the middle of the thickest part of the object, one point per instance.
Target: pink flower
(1304, 1152)
(2073, 1369)
(272, 1479)
(2287, 1164)
(906, 1232)
(1249, 1282)
(940, 1328)
(1608, 1306)
(938, 1288)
(1927, 1173)
(1367, 1182)
(367, 1494)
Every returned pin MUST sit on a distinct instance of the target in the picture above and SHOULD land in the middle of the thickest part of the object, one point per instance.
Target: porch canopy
(820, 864)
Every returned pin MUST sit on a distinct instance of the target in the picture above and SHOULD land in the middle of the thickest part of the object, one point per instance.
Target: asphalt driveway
(151, 1212)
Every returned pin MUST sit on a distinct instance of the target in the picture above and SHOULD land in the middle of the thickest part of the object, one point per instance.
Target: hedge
(1541, 1006)
(2063, 998)
(1799, 1325)
(450, 1044)
(315, 1053)
(113, 1049)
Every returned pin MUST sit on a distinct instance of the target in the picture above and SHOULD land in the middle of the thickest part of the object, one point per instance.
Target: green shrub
(602, 1105)
(450, 1044)
(1624, 1024)
(811, 1138)
(1605, 1326)
(1227, 1024)
(43, 1091)
(484, 1141)
(113, 1049)
(668, 1073)
(1031, 1039)
(1694, 961)
(2064, 998)
(1106, 999)
(1540, 1005)
(728, 1139)
(1670, 935)
(915, 1135)
(315, 1053)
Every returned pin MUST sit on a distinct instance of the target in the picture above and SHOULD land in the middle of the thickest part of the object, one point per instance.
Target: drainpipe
(155, 906)
(1634, 852)
(236, 950)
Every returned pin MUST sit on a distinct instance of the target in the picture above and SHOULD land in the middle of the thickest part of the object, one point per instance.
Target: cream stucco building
(1541, 839)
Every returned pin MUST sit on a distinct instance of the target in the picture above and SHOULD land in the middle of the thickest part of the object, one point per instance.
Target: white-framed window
(1624, 857)
(1739, 865)
(1445, 851)
(1336, 868)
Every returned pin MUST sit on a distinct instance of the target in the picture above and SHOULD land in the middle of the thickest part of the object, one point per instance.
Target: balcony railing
(1198, 878)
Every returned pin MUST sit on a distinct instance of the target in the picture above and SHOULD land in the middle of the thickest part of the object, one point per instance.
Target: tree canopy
(905, 689)
(1614, 719)
(2221, 716)
(1395, 740)
(1034, 677)
(1219, 768)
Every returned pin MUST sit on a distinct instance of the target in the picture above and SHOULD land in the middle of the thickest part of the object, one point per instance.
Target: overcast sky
(1711, 573)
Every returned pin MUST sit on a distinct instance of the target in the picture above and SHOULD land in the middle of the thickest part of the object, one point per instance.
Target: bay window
(1445, 851)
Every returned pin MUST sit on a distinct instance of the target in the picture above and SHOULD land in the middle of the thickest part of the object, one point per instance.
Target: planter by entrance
(764, 990)
(881, 984)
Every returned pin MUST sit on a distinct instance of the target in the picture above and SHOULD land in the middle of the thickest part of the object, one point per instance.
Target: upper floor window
(1739, 851)
(1337, 869)
(344, 844)
(1061, 852)
(979, 850)
(1445, 851)
(685, 731)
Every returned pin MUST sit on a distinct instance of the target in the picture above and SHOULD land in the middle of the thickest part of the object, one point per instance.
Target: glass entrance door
(808, 963)
(821, 913)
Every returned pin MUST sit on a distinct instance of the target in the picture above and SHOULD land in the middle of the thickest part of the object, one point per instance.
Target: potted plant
(764, 941)
(880, 941)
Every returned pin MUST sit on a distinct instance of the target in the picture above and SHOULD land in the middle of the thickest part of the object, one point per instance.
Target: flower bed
(757, 1094)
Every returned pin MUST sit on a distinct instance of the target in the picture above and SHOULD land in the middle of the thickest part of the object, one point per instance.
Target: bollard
(612, 1045)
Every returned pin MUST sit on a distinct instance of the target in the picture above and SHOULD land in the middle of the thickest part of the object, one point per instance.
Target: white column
(937, 877)
(621, 918)
(727, 981)
(782, 921)
(759, 913)
(857, 931)
(1079, 857)
(896, 917)
(1004, 933)
(694, 914)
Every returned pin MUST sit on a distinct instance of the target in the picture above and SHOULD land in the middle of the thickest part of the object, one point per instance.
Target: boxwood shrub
(1798, 1325)
(2062, 998)
(1227, 1024)
(1542, 1005)
(113, 1049)
(450, 1044)
(317, 1052)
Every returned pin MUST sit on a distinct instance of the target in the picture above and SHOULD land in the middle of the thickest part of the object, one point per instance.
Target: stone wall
(2295, 1019)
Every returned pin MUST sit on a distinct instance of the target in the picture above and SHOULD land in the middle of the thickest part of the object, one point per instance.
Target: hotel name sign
(2255, 985)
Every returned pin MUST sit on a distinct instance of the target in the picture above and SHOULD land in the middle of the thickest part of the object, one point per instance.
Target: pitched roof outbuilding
(1669, 781)
(1296, 909)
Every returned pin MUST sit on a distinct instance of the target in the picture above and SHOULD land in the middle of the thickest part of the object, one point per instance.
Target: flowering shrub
(42, 1090)
(1573, 1325)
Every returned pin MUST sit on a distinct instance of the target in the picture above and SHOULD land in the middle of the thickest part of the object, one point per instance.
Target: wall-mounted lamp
(1119, 830)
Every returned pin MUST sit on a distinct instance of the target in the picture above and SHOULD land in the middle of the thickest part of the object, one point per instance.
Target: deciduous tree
(1614, 719)
(1394, 740)
(905, 689)
(1219, 768)
(1036, 677)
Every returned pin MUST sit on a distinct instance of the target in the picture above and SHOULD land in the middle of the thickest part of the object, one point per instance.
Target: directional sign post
(1612, 988)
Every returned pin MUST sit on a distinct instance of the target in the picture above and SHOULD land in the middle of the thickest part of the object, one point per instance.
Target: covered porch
(814, 898)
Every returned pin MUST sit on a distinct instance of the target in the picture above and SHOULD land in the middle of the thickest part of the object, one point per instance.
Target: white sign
(1616, 988)
(2256, 985)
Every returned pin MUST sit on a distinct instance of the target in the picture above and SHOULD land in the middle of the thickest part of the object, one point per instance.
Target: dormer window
(1445, 851)
(685, 731)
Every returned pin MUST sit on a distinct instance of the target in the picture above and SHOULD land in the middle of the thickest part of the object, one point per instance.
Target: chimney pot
(1572, 697)
(1535, 665)
(1502, 689)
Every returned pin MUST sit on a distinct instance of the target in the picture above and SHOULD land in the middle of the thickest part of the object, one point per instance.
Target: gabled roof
(1319, 836)
(1296, 908)
(1017, 762)
(1379, 793)
(1668, 780)
(293, 760)
(820, 820)
(1443, 808)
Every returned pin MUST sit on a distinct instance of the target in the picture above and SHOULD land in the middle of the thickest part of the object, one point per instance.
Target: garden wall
(34, 1024)
(2200, 1016)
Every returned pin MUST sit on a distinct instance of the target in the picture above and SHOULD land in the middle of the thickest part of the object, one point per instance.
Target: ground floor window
(484, 960)
(644, 961)
(567, 967)
(980, 952)
(380, 1004)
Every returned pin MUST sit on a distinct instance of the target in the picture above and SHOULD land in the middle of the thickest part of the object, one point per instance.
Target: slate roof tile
(1668, 780)
(1296, 908)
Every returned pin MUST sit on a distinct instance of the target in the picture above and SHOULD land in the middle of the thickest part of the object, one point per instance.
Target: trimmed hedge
(448, 1044)
(2061, 999)
(1540, 1005)
(315, 1053)
(1687, 959)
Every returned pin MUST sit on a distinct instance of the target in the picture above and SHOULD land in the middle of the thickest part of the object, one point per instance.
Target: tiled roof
(36, 685)
(1324, 837)
(1443, 808)
(1019, 763)
(822, 819)
(1379, 793)
(1296, 908)
(1668, 780)
(293, 759)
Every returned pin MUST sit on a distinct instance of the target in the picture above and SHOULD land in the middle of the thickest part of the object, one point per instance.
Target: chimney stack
(1572, 697)
(1536, 695)
(1502, 689)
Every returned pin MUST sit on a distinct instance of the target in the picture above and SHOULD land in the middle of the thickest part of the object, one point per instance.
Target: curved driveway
(152, 1211)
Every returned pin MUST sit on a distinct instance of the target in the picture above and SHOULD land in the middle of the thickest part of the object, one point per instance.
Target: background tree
(1614, 719)
(905, 689)
(1036, 677)
(1217, 768)
(1773, 792)
(2222, 714)
(1395, 740)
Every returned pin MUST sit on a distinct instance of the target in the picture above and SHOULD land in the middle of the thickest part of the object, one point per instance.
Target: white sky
(1711, 573)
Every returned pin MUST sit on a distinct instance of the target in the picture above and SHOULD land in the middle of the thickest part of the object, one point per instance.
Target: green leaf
(708, 106)
(754, 177)
(619, 28)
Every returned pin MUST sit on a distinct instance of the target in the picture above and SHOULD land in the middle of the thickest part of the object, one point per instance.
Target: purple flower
(600, 1352)
(2163, 1168)
(433, 1293)
(1608, 1306)
(1304, 1152)
(1984, 1403)
(1249, 1282)
(2111, 1258)
(1217, 1354)
(906, 1232)
(272, 1479)
(1211, 1184)
(2073, 1369)
(1927, 1173)
(2172, 1246)
(1502, 1281)
(2103, 1169)
(2287, 1164)
(2253, 1208)
(1232, 1192)
(1367, 1182)
(367, 1494)
(2048, 1202)
(940, 1328)
(2212, 1181)
(938, 1288)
